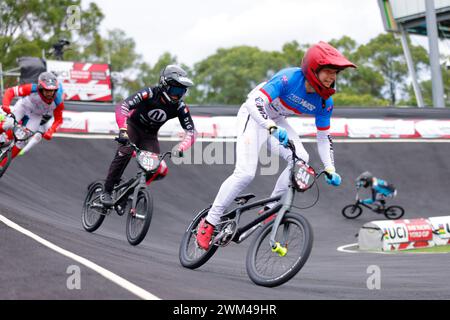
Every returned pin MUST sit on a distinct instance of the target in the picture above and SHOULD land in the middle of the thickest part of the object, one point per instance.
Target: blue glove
(335, 179)
(280, 134)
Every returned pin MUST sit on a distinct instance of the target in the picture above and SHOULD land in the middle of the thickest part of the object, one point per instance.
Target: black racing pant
(143, 139)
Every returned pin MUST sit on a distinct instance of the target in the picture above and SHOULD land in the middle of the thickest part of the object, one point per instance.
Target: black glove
(177, 153)
(123, 137)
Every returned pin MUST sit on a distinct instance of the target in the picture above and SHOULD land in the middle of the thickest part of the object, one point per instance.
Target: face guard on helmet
(47, 81)
(364, 179)
(174, 83)
(319, 56)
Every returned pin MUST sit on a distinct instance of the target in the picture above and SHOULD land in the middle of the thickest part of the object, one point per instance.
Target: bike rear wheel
(92, 218)
(5, 154)
(139, 222)
(190, 254)
(394, 212)
(352, 211)
(268, 268)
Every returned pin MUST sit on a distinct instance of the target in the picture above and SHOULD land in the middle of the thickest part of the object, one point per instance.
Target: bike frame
(282, 208)
(30, 139)
(368, 206)
(137, 183)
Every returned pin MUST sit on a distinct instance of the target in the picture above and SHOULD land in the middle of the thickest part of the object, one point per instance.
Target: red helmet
(319, 56)
(47, 81)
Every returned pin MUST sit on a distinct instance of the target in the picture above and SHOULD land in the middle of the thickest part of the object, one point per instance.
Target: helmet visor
(176, 91)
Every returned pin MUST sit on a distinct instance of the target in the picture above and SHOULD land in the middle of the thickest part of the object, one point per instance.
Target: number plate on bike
(149, 161)
(304, 176)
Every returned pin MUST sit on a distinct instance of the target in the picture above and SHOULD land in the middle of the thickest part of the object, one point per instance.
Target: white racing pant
(250, 139)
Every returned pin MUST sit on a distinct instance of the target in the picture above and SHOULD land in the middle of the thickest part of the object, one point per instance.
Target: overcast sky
(195, 29)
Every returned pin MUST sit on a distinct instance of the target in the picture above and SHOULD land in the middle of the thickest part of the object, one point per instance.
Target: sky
(194, 29)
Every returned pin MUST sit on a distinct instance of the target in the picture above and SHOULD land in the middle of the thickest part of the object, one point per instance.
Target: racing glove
(123, 136)
(280, 134)
(332, 178)
(6, 109)
(178, 153)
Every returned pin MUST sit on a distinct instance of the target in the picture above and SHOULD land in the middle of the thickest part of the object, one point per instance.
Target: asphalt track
(43, 192)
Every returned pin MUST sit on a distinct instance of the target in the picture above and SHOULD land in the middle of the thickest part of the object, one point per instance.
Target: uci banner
(83, 81)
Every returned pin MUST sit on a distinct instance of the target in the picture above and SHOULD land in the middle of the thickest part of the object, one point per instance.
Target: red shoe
(267, 220)
(204, 234)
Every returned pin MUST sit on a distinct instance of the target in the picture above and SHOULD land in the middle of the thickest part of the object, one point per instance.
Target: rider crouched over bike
(40, 102)
(262, 118)
(140, 117)
(381, 189)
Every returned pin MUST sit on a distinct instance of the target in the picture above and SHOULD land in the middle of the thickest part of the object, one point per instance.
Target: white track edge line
(141, 293)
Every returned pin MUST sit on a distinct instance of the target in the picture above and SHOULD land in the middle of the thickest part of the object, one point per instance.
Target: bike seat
(243, 198)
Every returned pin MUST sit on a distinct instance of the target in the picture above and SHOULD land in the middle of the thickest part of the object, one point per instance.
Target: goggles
(176, 91)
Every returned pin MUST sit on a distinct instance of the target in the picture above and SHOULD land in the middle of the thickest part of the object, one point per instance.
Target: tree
(385, 55)
(427, 90)
(29, 26)
(227, 76)
(146, 75)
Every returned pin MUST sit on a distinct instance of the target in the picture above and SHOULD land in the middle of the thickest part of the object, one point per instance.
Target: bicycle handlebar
(290, 145)
(136, 148)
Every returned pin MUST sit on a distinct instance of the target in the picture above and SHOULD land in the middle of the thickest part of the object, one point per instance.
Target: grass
(435, 249)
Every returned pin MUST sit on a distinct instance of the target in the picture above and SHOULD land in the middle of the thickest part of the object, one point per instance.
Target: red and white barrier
(226, 127)
(74, 122)
(396, 235)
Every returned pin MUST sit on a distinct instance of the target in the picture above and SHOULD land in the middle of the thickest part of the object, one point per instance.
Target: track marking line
(344, 249)
(125, 284)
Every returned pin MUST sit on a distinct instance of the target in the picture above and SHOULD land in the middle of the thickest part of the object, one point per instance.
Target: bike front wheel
(5, 158)
(271, 269)
(394, 212)
(352, 211)
(190, 254)
(92, 215)
(138, 222)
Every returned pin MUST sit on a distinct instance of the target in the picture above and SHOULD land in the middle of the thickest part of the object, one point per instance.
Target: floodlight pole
(410, 64)
(436, 75)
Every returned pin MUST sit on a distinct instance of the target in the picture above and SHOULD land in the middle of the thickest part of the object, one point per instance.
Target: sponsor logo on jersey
(157, 115)
(296, 99)
(260, 105)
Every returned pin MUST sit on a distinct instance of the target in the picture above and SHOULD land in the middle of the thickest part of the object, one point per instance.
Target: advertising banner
(83, 81)
(389, 235)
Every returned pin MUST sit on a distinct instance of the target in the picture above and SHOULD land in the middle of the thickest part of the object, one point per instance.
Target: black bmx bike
(353, 211)
(281, 247)
(131, 197)
(17, 133)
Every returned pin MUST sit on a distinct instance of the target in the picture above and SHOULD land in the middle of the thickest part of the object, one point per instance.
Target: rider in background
(140, 117)
(39, 104)
(380, 189)
(262, 118)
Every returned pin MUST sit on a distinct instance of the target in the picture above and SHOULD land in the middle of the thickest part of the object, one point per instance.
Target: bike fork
(278, 247)
(135, 195)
